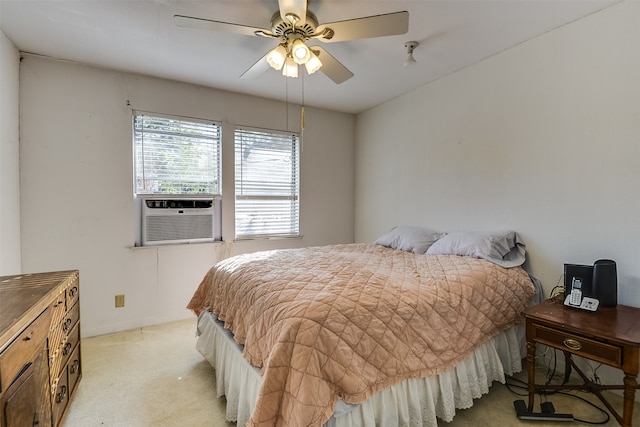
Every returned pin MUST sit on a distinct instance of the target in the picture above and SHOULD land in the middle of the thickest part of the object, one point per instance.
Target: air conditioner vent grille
(177, 221)
(160, 228)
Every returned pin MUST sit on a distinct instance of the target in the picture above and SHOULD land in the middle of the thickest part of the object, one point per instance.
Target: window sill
(262, 238)
(164, 245)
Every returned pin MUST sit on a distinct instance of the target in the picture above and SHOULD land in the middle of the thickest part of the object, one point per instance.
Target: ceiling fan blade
(256, 69)
(331, 67)
(388, 24)
(207, 24)
(296, 7)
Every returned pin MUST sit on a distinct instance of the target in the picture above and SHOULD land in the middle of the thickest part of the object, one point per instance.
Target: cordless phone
(576, 291)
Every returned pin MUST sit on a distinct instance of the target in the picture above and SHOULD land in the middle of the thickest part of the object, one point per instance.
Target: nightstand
(610, 336)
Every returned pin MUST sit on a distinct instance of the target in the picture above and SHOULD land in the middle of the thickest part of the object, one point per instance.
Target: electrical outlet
(119, 300)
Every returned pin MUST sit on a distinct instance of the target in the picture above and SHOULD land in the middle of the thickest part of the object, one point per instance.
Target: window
(176, 156)
(267, 183)
(177, 180)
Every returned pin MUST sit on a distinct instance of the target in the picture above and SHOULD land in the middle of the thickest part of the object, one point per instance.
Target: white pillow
(409, 238)
(504, 248)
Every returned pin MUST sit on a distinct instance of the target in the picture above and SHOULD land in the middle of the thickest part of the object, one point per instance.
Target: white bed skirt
(413, 402)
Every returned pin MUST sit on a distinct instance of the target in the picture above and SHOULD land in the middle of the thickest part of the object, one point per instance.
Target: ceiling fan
(294, 26)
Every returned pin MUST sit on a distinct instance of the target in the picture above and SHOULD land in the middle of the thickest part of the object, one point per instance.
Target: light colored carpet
(154, 376)
(151, 376)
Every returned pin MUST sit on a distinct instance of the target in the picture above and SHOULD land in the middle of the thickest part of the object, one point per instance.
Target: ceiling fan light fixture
(290, 68)
(300, 51)
(277, 57)
(293, 25)
(313, 64)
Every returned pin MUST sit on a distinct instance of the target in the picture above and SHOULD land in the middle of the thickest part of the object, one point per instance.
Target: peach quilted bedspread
(344, 321)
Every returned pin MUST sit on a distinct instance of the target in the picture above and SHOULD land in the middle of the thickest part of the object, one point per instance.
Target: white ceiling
(140, 36)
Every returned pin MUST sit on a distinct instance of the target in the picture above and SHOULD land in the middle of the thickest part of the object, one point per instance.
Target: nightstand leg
(630, 385)
(567, 366)
(531, 370)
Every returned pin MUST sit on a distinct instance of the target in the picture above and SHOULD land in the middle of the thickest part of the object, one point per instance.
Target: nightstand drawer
(581, 346)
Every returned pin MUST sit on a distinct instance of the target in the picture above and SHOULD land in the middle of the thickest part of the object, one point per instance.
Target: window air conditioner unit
(172, 221)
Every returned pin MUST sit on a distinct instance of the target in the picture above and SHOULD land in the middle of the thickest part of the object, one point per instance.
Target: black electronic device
(548, 412)
(590, 286)
(605, 282)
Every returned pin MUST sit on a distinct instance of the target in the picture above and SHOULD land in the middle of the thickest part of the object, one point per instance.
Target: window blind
(267, 184)
(176, 156)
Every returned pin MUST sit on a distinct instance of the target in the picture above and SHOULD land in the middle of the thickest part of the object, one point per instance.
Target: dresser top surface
(621, 323)
(23, 295)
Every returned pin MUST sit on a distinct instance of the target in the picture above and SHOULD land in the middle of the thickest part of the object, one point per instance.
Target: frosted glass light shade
(276, 57)
(290, 68)
(313, 64)
(300, 52)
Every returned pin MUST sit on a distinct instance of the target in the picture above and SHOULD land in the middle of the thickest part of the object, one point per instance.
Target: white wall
(543, 138)
(9, 175)
(76, 185)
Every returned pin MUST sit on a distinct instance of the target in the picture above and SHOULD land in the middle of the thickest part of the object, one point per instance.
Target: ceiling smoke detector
(410, 46)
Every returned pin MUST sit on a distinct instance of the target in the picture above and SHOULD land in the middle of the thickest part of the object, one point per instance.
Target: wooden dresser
(40, 363)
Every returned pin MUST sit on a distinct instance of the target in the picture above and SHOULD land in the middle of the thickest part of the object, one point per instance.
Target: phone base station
(588, 304)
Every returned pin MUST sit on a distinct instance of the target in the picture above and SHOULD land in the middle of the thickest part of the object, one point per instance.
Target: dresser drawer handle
(62, 395)
(572, 344)
(67, 349)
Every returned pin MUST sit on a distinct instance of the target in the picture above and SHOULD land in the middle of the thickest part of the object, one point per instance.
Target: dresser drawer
(73, 293)
(74, 369)
(581, 346)
(60, 398)
(71, 319)
(24, 349)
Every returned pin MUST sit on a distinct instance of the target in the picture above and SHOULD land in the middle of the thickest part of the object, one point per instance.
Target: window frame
(218, 154)
(185, 225)
(242, 194)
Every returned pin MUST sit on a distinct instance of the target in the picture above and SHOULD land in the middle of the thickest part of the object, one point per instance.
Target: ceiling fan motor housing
(284, 28)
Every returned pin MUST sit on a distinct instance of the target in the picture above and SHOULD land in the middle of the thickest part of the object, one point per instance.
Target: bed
(388, 333)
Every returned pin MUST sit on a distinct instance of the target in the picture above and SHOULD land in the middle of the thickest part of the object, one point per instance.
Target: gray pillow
(503, 248)
(409, 238)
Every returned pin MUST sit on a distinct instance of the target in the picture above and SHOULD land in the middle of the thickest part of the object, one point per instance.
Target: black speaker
(605, 282)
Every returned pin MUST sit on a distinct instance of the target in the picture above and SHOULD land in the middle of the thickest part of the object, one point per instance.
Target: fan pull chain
(286, 103)
(302, 111)
(302, 118)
